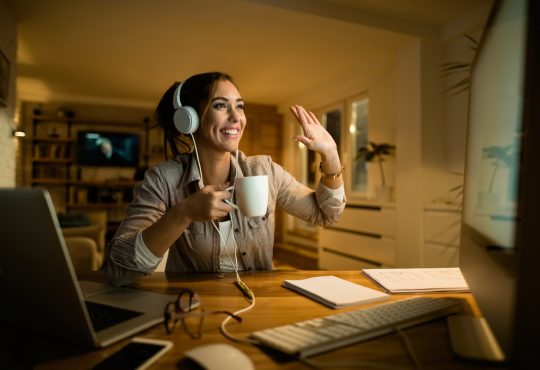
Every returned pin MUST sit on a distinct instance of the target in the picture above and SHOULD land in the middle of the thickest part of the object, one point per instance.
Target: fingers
(313, 117)
(209, 203)
(299, 114)
(303, 116)
(210, 188)
(309, 123)
(216, 195)
(304, 140)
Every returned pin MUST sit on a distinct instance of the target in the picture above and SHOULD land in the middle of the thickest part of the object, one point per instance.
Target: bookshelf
(52, 161)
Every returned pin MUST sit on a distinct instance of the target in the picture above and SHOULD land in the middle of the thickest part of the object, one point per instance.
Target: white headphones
(186, 119)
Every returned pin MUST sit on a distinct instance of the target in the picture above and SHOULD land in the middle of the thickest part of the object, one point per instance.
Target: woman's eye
(240, 107)
(220, 105)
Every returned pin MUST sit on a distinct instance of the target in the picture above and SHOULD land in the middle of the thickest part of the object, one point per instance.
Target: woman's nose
(233, 115)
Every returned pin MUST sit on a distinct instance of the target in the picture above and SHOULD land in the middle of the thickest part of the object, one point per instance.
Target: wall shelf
(51, 156)
(49, 181)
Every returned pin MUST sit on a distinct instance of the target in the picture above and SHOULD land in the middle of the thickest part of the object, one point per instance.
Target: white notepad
(335, 292)
(419, 280)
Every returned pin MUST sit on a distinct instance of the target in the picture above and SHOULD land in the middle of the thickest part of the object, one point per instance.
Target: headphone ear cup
(186, 120)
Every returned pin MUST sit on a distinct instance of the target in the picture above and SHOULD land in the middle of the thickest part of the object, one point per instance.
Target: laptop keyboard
(104, 316)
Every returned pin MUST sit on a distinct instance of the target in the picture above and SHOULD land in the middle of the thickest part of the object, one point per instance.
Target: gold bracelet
(330, 176)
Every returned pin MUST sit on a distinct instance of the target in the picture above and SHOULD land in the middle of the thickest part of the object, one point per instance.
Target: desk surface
(275, 306)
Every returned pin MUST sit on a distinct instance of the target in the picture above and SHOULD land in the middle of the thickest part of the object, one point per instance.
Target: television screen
(101, 148)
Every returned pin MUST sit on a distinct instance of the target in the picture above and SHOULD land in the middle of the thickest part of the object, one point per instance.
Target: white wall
(408, 155)
(8, 144)
(408, 107)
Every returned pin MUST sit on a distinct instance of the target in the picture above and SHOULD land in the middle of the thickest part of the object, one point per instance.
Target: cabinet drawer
(373, 221)
(378, 250)
(333, 261)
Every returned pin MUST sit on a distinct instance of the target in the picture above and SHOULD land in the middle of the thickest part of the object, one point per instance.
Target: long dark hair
(196, 92)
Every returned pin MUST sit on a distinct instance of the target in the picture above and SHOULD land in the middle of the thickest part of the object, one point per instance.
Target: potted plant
(378, 153)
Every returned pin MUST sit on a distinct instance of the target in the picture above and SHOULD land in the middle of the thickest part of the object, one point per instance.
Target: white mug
(251, 195)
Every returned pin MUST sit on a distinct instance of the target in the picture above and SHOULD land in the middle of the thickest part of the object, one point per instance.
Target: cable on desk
(239, 283)
(226, 320)
(409, 348)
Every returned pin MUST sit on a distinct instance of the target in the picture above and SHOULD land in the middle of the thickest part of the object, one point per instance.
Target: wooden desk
(275, 306)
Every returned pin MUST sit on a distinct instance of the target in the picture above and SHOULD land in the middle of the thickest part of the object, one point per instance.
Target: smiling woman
(182, 211)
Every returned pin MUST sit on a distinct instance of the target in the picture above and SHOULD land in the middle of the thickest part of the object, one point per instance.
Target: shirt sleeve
(333, 195)
(322, 206)
(144, 258)
(125, 259)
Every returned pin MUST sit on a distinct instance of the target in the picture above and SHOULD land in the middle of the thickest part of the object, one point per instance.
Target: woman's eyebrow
(223, 98)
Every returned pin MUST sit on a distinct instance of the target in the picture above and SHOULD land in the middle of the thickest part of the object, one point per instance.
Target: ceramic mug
(251, 195)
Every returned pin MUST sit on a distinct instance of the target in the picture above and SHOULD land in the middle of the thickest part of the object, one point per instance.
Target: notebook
(335, 292)
(419, 280)
(40, 291)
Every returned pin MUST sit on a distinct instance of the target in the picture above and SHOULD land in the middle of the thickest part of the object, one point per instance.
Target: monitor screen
(495, 125)
(101, 148)
(499, 169)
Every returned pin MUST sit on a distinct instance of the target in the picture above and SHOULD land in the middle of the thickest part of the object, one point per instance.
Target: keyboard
(311, 337)
(104, 316)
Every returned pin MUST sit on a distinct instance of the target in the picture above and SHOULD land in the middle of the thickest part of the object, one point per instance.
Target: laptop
(39, 288)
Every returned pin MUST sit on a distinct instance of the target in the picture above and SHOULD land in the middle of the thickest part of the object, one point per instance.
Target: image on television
(107, 148)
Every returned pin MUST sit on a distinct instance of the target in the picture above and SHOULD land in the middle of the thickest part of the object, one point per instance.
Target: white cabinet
(442, 225)
(364, 237)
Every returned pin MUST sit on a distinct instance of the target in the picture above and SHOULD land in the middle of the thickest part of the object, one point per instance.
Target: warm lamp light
(19, 133)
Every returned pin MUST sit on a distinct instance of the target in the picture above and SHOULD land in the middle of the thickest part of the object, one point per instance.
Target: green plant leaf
(376, 152)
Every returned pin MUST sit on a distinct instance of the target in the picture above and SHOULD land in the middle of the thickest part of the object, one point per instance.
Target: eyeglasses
(189, 310)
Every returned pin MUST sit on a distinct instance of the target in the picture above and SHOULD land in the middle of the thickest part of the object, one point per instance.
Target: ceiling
(130, 51)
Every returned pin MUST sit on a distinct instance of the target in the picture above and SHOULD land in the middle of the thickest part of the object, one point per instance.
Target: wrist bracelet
(330, 176)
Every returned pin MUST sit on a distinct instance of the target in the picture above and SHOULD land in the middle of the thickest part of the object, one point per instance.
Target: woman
(179, 206)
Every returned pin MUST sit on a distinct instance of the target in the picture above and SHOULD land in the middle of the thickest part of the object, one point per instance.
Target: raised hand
(315, 136)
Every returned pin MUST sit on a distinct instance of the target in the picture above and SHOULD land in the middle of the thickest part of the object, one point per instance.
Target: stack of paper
(335, 292)
(419, 280)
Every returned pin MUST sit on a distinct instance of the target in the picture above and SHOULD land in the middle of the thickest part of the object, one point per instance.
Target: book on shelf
(335, 292)
(419, 280)
(51, 151)
(50, 171)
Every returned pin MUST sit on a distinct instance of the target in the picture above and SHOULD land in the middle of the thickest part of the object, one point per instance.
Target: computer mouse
(220, 356)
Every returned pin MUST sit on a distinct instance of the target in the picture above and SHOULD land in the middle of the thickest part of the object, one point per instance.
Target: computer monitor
(500, 237)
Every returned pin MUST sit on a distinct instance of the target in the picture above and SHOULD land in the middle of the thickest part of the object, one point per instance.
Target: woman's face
(224, 122)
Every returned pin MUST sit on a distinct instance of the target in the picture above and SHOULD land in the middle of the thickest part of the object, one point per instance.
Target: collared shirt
(198, 248)
(229, 259)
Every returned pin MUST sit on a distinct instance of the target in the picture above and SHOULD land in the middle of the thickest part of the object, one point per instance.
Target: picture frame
(4, 80)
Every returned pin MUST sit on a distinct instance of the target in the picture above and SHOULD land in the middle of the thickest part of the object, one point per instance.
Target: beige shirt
(198, 248)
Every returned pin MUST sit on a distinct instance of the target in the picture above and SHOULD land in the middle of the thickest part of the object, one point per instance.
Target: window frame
(349, 154)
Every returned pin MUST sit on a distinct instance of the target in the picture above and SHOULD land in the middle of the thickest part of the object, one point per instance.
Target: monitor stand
(472, 338)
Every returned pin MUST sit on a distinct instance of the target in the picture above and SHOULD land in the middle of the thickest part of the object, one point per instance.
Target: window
(358, 131)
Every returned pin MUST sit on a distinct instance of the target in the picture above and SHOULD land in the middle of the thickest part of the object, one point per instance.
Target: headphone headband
(176, 97)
